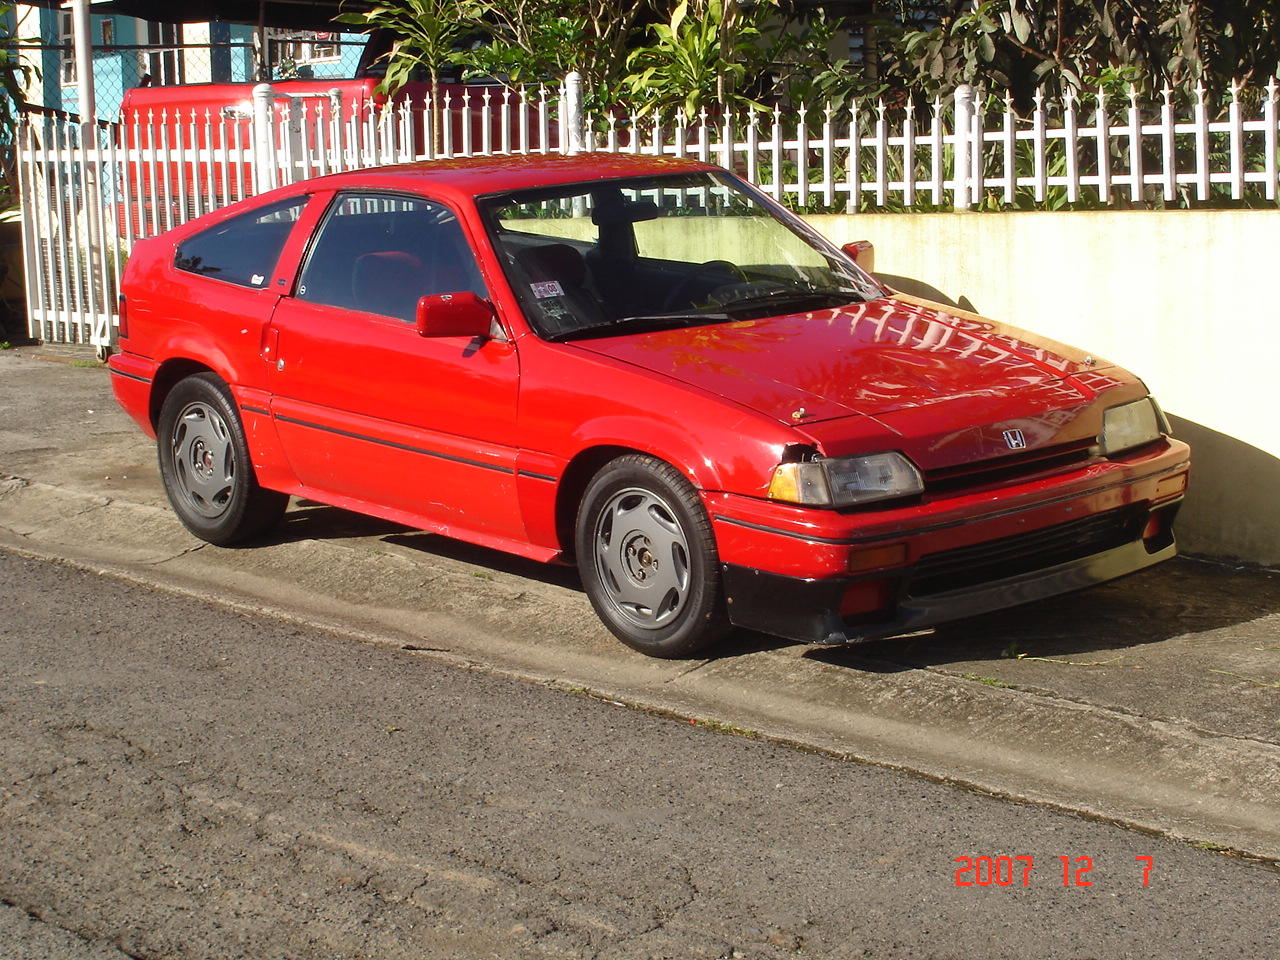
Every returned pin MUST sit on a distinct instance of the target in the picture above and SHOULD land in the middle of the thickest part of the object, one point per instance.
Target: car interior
(381, 255)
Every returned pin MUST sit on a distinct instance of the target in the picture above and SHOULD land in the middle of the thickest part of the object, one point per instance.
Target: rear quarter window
(244, 249)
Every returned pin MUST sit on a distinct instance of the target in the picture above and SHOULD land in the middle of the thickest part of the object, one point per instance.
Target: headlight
(1131, 425)
(845, 481)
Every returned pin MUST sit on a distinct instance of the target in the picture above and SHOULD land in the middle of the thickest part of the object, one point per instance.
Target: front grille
(1026, 552)
(1012, 467)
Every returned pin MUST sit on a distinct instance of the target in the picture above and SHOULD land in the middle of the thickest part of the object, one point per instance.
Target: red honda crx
(647, 367)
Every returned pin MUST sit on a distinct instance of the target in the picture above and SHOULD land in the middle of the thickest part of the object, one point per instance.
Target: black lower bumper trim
(790, 607)
(809, 610)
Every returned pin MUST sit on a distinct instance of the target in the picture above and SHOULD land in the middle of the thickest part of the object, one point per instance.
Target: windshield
(679, 250)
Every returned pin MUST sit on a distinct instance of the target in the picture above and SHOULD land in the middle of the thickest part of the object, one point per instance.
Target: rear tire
(648, 558)
(204, 460)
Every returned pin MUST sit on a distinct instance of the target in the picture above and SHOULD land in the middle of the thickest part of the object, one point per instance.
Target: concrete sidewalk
(1154, 702)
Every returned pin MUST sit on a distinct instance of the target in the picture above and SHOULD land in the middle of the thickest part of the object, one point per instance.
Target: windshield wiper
(791, 296)
(642, 322)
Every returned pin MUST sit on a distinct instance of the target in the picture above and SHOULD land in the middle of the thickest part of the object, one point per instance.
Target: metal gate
(89, 190)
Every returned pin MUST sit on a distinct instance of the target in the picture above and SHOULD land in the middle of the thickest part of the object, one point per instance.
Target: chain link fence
(173, 59)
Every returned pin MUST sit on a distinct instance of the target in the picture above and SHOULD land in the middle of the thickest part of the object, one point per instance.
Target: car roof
(479, 176)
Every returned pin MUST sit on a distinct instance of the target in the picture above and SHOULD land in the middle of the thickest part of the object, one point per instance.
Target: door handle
(271, 347)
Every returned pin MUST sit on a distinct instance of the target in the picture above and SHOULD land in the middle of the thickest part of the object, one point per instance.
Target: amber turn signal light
(877, 558)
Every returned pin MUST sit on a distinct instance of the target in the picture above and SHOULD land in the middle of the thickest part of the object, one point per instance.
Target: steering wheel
(679, 294)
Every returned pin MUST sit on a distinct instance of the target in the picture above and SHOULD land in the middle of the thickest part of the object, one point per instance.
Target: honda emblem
(1015, 440)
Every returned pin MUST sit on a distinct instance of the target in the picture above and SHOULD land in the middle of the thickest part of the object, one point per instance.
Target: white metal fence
(89, 191)
(979, 152)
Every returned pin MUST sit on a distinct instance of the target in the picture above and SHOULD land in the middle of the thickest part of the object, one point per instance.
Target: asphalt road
(179, 780)
(1150, 701)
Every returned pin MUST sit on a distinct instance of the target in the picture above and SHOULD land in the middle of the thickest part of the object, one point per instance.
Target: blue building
(128, 52)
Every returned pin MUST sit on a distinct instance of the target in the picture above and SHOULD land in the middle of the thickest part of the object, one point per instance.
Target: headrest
(386, 268)
(555, 261)
(389, 283)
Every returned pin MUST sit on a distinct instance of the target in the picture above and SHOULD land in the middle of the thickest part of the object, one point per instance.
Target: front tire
(204, 460)
(648, 558)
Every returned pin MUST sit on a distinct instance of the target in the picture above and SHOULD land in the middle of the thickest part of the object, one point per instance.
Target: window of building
(304, 46)
(164, 63)
(67, 43)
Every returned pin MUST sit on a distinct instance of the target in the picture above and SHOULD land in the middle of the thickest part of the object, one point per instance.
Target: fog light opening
(866, 600)
(1158, 533)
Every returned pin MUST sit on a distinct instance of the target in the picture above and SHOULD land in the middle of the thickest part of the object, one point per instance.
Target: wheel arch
(710, 459)
(573, 484)
(170, 373)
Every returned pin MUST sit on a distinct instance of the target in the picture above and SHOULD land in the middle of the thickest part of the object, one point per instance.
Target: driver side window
(381, 254)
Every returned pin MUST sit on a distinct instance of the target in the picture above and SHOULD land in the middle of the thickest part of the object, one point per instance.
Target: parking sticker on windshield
(547, 288)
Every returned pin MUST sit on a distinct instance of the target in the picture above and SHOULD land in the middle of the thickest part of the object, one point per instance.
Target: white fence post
(85, 89)
(964, 194)
(571, 117)
(1271, 135)
(264, 153)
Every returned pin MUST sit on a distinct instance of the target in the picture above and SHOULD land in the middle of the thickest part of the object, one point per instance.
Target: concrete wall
(1184, 299)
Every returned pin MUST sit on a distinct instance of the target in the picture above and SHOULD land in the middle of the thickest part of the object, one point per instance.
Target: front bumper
(809, 610)
(869, 575)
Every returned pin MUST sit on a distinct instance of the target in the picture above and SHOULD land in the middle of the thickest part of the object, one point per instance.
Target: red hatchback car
(647, 366)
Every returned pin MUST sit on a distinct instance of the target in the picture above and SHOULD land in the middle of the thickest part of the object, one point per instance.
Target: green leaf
(1021, 25)
(678, 15)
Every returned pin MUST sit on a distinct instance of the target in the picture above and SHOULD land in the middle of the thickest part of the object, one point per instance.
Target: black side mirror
(461, 314)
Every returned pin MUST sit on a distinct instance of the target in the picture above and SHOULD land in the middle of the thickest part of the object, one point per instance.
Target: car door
(368, 411)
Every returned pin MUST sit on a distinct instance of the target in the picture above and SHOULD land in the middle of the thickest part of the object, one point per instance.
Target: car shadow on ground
(310, 520)
(1184, 596)
(557, 574)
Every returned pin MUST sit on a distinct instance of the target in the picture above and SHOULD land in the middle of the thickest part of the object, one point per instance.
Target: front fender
(579, 409)
(727, 456)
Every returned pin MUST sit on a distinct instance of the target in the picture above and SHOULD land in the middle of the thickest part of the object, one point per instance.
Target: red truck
(194, 148)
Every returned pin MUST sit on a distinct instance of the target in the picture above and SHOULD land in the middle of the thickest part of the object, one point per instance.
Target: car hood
(868, 359)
